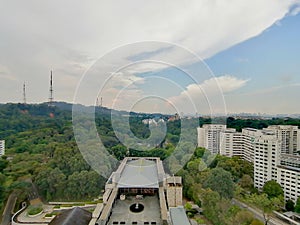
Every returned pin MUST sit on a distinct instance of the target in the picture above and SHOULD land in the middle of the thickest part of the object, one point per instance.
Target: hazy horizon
(248, 61)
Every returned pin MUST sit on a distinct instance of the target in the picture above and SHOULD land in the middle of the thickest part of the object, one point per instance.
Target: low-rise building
(141, 185)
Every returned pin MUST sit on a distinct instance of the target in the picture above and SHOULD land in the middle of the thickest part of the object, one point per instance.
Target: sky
(199, 56)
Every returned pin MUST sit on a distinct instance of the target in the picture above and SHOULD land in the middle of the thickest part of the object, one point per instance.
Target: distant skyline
(252, 48)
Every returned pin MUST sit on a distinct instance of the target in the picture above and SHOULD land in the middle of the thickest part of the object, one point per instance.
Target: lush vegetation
(297, 206)
(34, 210)
(211, 182)
(42, 154)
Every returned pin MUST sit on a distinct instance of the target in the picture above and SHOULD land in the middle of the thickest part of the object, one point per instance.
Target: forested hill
(40, 147)
(15, 118)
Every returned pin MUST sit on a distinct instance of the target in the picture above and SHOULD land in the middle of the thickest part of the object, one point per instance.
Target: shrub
(34, 210)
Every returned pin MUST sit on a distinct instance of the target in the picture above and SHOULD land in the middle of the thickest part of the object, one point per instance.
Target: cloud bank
(69, 36)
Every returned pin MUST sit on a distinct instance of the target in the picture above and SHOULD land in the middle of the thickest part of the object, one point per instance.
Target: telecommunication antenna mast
(51, 90)
(24, 93)
(97, 102)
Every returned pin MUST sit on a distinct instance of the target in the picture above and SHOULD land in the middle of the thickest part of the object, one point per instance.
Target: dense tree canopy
(42, 151)
(272, 189)
(289, 205)
(266, 204)
(220, 181)
(297, 206)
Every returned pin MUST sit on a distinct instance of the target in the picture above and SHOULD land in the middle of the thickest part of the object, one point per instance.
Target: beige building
(174, 191)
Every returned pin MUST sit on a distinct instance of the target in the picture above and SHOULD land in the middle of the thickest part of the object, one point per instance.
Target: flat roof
(178, 216)
(139, 173)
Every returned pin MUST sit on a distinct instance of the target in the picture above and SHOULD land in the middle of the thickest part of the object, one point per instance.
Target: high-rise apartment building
(266, 155)
(219, 139)
(2, 147)
(289, 137)
(274, 151)
(289, 175)
(209, 137)
(231, 143)
(249, 136)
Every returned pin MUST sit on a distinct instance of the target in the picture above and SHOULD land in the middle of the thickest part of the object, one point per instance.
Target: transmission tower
(50, 103)
(97, 102)
(24, 93)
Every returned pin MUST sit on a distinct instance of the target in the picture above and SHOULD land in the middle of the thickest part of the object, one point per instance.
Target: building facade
(289, 175)
(266, 155)
(274, 152)
(289, 137)
(209, 137)
(231, 143)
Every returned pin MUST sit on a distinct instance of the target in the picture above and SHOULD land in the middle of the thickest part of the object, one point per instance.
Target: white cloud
(123, 79)
(295, 11)
(208, 96)
(214, 86)
(68, 36)
(227, 83)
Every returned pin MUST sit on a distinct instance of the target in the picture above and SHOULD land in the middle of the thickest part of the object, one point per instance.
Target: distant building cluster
(174, 118)
(274, 151)
(2, 147)
(155, 122)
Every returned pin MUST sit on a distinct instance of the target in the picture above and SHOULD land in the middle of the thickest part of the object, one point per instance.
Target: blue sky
(270, 62)
(251, 54)
(269, 59)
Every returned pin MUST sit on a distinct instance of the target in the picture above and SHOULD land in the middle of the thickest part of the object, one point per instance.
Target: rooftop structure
(139, 173)
(139, 192)
(178, 216)
(75, 216)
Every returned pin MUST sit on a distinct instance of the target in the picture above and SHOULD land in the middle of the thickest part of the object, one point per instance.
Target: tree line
(41, 150)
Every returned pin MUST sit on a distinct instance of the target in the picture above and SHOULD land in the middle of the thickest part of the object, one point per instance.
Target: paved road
(8, 211)
(258, 214)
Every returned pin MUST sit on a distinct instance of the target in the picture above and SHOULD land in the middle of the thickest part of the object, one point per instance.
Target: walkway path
(258, 213)
(9, 207)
